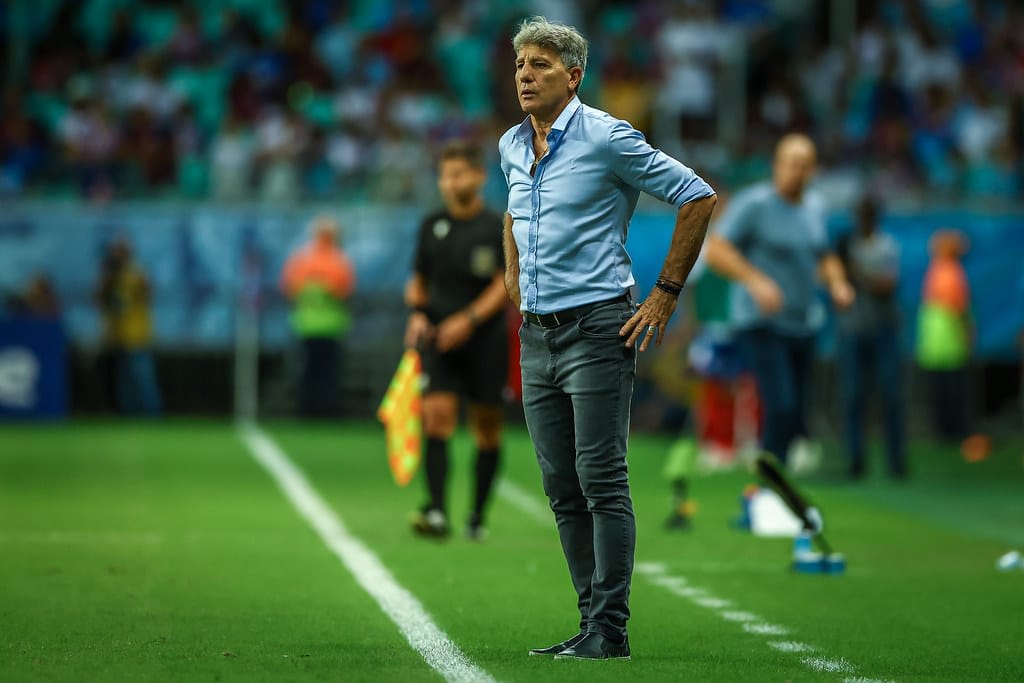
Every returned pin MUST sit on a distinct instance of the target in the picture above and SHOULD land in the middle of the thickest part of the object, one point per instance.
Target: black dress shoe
(431, 523)
(559, 648)
(596, 646)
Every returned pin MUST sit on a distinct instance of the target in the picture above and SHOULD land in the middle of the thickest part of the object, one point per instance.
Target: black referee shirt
(457, 259)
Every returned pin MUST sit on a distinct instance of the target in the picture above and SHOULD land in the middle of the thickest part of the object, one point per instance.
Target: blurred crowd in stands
(278, 101)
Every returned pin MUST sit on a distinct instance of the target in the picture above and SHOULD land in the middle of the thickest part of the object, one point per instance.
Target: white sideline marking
(712, 602)
(765, 629)
(826, 665)
(526, 502)
(740, 616)
(657, 574)
(396, 602)
(650, 568)
(690, 592)
(790, 646)
(668, 581)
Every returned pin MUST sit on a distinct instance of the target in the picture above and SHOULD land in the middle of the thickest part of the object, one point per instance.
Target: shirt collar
(525, 130)
(563, 119)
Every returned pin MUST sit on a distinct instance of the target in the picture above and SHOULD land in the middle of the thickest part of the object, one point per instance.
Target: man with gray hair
(574, 175)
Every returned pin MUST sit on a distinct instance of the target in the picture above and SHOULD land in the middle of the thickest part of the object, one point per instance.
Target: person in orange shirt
(318, 278)
(944, 341)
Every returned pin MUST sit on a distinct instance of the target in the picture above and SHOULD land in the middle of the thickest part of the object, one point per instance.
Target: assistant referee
(456, 294)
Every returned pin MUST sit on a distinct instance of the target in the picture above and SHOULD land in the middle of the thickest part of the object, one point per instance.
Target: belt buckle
(558, 323)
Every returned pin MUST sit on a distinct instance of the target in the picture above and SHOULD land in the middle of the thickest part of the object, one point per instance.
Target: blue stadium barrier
(199, 256)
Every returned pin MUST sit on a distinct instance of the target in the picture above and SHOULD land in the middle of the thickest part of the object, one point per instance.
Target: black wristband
(419, 309)
(670, 281)
(668, 288)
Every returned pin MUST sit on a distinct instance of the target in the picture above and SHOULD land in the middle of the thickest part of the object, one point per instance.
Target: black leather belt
(549, 320)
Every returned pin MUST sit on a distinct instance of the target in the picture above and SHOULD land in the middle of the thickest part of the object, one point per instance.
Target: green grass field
(165, 552)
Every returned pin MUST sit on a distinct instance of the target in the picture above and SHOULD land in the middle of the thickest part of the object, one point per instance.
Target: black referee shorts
(477, 370)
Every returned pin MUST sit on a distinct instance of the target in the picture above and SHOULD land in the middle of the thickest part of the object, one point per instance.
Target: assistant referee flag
(401, 411)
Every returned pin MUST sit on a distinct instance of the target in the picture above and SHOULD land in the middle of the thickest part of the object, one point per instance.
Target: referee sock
(487, 460)
(437, 471)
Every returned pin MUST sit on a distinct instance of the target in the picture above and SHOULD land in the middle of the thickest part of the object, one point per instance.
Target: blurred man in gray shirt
(771, 243)
(869, 338)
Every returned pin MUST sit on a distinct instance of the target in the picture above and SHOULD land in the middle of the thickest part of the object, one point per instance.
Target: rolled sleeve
(652, 171)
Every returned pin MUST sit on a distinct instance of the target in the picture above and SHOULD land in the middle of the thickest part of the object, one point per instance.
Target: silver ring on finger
(651, 329)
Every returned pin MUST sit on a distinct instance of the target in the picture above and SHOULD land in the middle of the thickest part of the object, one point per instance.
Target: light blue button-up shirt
(570, 219)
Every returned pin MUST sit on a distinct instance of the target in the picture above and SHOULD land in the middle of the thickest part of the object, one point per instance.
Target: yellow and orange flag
(400, 411)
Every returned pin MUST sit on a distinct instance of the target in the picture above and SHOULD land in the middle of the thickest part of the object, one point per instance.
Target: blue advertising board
(33, 376)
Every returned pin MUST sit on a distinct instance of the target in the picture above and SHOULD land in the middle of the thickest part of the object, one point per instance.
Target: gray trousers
(577, 387)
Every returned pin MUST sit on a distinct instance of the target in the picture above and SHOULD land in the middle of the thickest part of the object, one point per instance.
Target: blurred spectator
(623, 94)
(124, 300)
(236, 37)
(890, 110)
(403, 45)
(187, 149)
(688, 42)
(147, 150)
(317, 172)
(90, 141)
(187, 45)
(38, 300)
(147, 88)
(996, 176)
(398, 172)
(869, 339)
(231, 159)
(345, 150)
(244, 101)
(919, 98)
(124, 42)
(460, 45)
(945, 335)
(22, 147)
(318, 278)
(781, 107)
(933, 143)
(982, 124)
(923, 58)
(281, 139)
(338, 43)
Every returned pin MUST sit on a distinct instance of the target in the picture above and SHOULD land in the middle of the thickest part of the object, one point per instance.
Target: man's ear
(575, 77)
